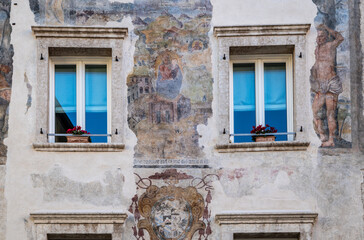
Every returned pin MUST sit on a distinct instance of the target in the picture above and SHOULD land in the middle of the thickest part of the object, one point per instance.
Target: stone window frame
(262, 223)
(80, 37)
(78, 223)
(260, 36)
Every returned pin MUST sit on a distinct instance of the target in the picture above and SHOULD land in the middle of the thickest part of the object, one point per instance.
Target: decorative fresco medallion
(171, 213)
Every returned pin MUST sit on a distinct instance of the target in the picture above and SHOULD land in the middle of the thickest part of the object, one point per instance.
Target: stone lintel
(265, 218)
(79, 32)
(262, 146)
(79, 147)
(78, 218)
(261, 30)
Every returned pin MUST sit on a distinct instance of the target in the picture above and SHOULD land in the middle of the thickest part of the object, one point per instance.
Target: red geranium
(77, 130)
(263, 129)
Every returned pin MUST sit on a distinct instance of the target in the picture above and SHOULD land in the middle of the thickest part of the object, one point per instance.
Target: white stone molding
(300, 223)
(78, 147)
(78, 223)
(80, 37)
(78, 218)
(79, 32)
(292, 36)
(266, 218)
(263, 30)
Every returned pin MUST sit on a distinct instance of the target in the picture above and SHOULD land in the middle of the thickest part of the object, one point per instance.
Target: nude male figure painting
(325, 83)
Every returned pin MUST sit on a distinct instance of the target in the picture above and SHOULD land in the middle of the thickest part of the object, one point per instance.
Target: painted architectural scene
(174, 95)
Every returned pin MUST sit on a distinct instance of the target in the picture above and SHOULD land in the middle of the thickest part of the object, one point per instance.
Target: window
(270, 225)
(256, 44)
(266, 236)
(79, 237)
(78, 45)
(78, 226)
(79, 95)
(261, 88)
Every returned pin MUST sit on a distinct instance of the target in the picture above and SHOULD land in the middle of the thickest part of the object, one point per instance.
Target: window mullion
(80, 94)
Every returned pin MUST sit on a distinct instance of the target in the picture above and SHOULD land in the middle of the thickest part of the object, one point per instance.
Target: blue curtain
(244, 99)
(96, 101)
(275, 103)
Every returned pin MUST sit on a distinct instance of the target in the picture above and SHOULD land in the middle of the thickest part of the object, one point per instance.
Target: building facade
(175, 94)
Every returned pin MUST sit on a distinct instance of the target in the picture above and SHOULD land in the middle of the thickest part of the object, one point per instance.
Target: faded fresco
(171, 205)
(6, 71)
(330, 78)
(170, 87)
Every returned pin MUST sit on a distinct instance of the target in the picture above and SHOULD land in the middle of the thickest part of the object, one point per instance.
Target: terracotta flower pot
(265, 138)
(78, 139)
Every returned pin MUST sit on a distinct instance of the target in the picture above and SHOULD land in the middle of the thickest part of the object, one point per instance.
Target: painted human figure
(169, 78)
(325, 83)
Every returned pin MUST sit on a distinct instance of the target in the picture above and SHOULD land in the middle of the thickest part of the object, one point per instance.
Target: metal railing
(67, 134)
(253, 134)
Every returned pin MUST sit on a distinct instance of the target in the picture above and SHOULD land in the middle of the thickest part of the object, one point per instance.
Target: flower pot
(265, 138)
(78, 139)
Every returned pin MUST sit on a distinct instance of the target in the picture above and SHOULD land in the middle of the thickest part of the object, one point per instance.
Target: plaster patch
(58, 187)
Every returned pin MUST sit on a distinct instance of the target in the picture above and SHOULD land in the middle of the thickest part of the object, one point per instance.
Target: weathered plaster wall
(361, 83)
(326, 181)
(6, 71)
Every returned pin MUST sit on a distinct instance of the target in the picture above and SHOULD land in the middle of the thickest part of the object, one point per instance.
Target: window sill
(262, 147)
(79, 147)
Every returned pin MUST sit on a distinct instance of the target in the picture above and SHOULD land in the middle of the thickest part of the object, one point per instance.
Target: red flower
(77, 130)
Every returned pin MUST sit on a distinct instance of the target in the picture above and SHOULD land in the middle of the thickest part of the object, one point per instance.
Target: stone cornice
(79, 32)
(78, 218)
(265, 218)
(262, 146)
(79, 147)
(261, 30)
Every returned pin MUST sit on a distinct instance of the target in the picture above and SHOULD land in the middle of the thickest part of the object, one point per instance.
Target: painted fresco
(171, 205)
(6, 71)
(170, 87)
(330, 75)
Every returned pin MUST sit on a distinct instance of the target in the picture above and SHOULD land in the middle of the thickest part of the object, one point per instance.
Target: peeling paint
(57, 187)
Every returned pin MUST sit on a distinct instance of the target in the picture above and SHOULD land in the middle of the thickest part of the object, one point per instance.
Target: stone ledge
(79, 32)
(79, 147)
(262, 146)
(266, 218)
(78, 218)
(261, 30)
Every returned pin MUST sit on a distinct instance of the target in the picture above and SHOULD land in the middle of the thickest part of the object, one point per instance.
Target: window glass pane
(65, 99)
(96, 101)
(244, 100)
(275, 103)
